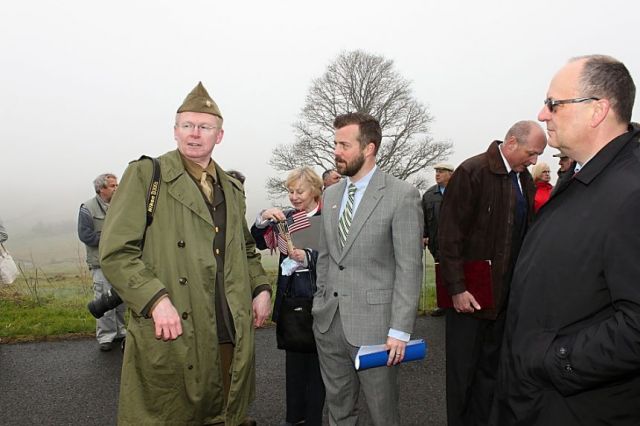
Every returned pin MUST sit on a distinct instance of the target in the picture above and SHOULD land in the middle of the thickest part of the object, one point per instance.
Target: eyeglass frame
(189, 126)
(551, 103)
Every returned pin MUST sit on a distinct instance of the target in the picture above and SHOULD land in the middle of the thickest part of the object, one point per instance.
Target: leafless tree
(360, 81)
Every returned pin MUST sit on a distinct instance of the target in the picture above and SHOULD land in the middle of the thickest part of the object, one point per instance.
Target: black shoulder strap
(152, 194)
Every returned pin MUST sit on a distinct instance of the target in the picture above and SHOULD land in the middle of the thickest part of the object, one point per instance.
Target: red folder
(477, 278)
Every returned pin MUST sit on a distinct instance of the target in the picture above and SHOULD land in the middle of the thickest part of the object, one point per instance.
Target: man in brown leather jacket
(483, 217)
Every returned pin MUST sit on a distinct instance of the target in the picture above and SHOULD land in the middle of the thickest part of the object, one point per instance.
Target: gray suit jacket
(375, 279)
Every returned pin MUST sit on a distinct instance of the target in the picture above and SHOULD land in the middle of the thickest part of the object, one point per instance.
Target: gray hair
(521, 130)
(102, 180)
(605, 77)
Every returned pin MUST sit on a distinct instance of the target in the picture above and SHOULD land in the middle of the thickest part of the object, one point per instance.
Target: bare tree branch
(360, 81)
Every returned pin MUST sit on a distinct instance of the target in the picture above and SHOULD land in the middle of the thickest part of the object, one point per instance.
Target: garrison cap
(199, 101)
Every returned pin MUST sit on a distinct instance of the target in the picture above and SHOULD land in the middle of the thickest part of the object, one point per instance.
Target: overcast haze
(89, 86)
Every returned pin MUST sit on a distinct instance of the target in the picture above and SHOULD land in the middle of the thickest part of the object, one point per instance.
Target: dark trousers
(305, 389)
(472, 352)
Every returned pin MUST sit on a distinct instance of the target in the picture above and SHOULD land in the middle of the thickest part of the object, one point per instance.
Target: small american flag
(295, 222)
(270, 239)
(298, 221)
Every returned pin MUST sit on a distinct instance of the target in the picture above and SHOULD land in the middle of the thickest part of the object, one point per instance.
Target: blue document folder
(376, 355)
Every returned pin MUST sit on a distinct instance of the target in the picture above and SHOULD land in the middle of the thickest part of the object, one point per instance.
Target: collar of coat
(496, 165)
(172, 168)
(603, 157)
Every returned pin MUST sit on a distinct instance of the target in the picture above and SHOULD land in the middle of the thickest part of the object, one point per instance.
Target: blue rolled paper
(377, 355)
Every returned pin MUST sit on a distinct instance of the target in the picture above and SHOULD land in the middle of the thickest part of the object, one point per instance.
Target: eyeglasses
(553, 103)
(189, 127)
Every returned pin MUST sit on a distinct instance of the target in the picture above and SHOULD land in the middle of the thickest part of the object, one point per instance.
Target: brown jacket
(476, 223)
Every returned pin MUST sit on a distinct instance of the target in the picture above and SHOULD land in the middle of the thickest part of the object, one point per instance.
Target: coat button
(190, 367)
(181, 244)
(341, 267)
(185, 315)
(183, 281)
(335, 294)
(568, 368)
(562, 352)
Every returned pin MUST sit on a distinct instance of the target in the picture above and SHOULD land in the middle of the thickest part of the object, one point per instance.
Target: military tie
(347, 214)
(206, 187)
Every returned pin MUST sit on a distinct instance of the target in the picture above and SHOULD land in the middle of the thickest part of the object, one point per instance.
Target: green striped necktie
(347, 214)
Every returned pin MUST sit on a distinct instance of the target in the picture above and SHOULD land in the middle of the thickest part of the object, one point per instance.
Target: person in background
(305, 390)
(111, 327)
(330, 177)
(541, 177)
(195, 288)
(484, 216)
(431, 200)
(567, 169)
(3, 232)
(237, 175)
(567, 165)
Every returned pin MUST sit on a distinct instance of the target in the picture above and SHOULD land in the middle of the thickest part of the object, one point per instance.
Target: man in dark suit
(369, 274)
(483, 217)
(571, 351)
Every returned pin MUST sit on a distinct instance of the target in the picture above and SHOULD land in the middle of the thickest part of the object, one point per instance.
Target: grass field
(50, 302)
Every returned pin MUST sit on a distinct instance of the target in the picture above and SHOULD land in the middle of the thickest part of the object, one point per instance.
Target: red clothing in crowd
(543, 192)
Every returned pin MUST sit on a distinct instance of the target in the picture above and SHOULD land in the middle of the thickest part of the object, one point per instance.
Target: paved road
(73, 383)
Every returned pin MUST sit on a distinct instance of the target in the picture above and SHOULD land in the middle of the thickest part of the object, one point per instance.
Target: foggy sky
(89, 86)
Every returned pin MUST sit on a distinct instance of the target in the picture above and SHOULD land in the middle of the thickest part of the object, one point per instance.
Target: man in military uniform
(196, 289)
(91, 217)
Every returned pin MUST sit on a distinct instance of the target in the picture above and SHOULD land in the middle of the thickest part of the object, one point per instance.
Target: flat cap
(444, 166)
(199, 101)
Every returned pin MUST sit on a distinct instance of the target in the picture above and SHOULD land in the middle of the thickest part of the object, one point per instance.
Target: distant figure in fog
(111, 326)
(3, 232)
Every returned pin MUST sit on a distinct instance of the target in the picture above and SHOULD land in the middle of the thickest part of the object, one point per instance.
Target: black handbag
(294, 330)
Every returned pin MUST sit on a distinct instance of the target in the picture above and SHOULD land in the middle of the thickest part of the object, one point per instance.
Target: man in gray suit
(369, 274)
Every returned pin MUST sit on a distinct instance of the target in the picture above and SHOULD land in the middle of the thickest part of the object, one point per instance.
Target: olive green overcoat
(178, 382)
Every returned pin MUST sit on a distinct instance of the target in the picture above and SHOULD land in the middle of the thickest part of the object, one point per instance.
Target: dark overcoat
(477, 221)
(571, 351)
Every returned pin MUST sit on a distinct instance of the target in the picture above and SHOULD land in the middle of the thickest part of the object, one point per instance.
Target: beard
(349, 169)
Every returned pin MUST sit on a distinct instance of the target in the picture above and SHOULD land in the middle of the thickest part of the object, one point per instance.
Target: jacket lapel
(230, 204)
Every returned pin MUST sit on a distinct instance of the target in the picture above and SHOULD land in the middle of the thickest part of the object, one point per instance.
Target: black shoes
(105, 347)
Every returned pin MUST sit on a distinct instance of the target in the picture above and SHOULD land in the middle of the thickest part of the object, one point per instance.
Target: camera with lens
(106, 302)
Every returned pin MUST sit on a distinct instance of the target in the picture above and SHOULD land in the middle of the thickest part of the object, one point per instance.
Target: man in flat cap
(192, 280)
(431, 200)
